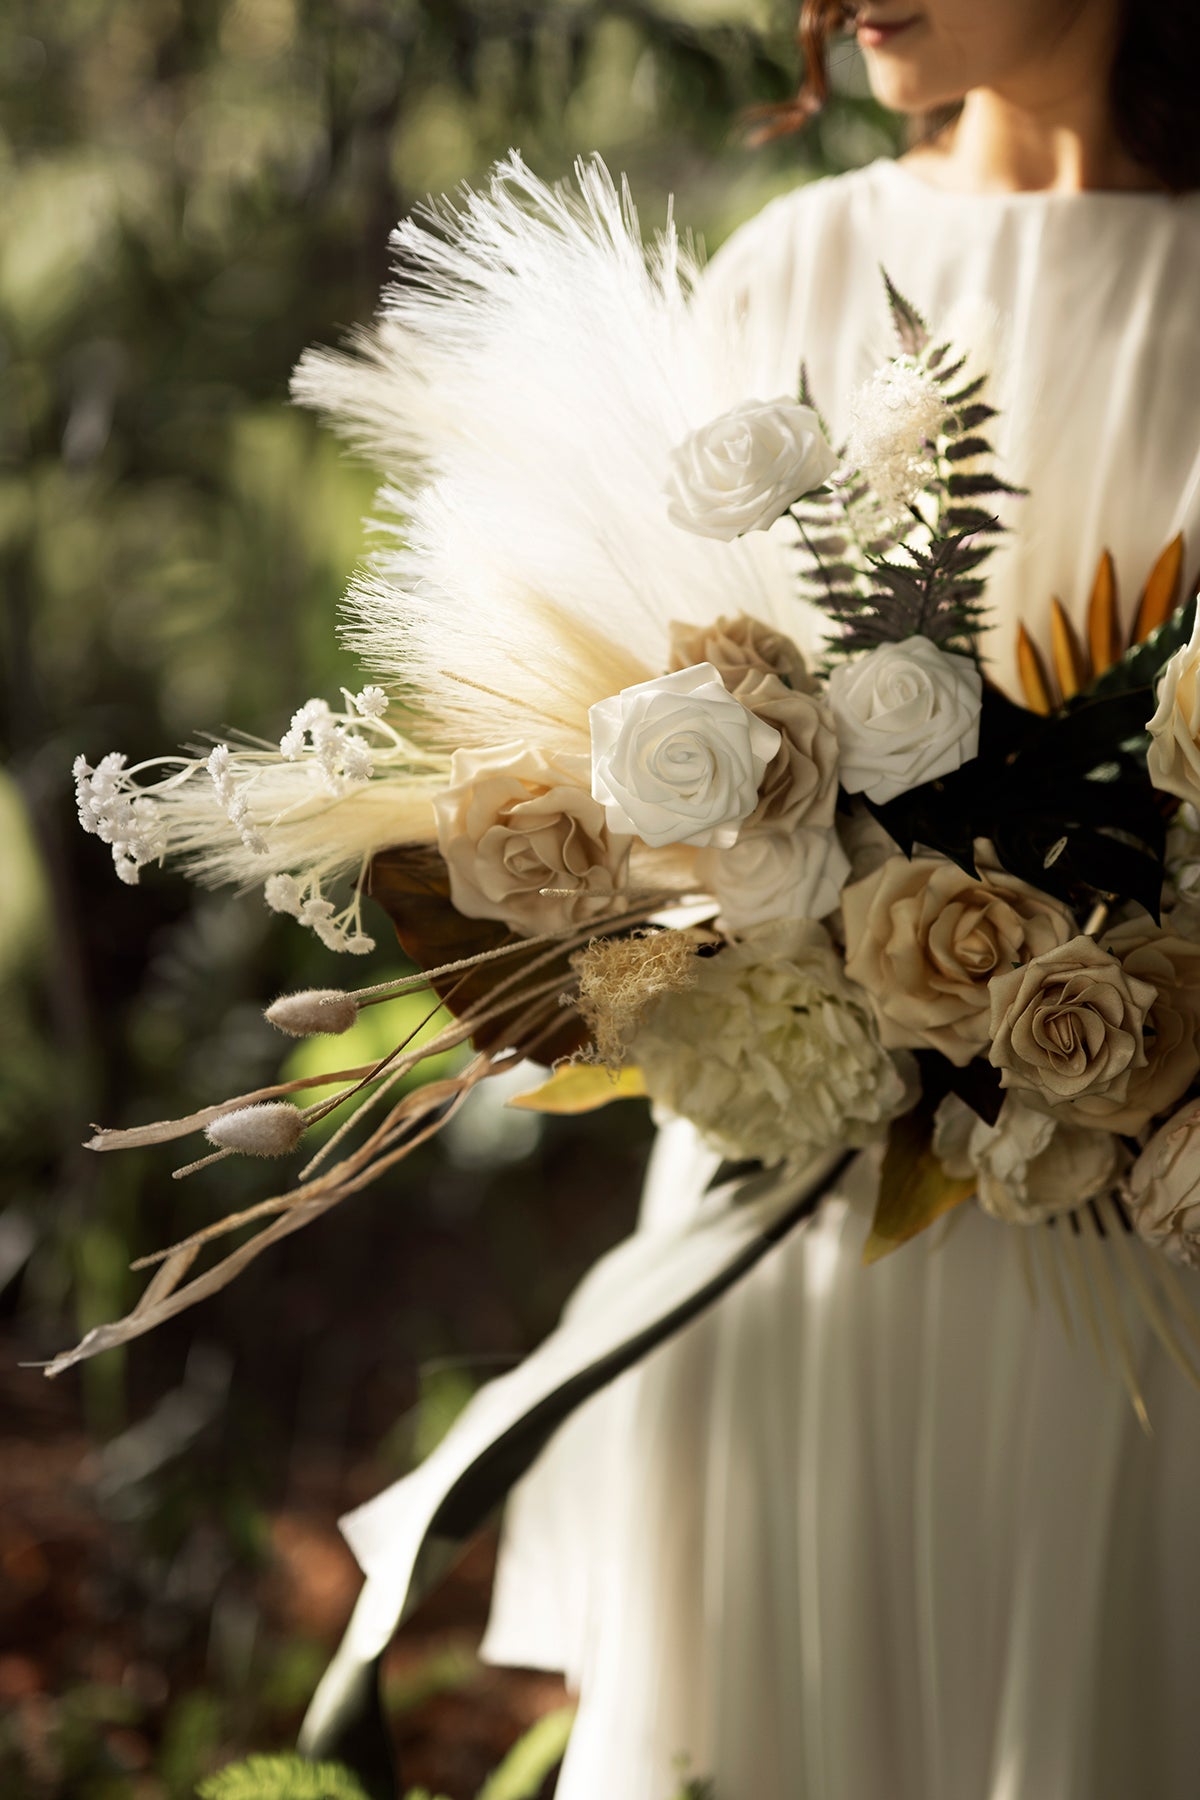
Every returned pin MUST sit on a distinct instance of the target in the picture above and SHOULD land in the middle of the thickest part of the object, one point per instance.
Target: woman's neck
(1047, 125)
(998, 145)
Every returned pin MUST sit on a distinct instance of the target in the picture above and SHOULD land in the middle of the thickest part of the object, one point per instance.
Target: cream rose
(799, 786)
(905, 713)
(1163, 1191)
(525, 842)
(742, 471)
(1027, 1166)
(774, 874)
(737, 647)
(924, 940)
(1171, 964)
(678, 760)
(1173, 759)
(773, 1053)
(1068, 1029)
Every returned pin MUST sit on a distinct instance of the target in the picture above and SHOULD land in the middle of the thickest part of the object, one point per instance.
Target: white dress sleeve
(893, 1532)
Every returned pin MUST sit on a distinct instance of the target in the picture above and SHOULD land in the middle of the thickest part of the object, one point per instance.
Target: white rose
(904, 713)
(773, 874)
(1027, 1165)
(742, 471)
(1173, 759)
(772, 1053)
(1163, 1192)
(678, 760)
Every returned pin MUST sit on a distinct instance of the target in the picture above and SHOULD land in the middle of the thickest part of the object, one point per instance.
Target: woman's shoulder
(791, 224)
(798, 209)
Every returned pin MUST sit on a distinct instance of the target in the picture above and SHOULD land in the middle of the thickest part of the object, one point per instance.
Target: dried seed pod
(314, 1011)
(270, 1129)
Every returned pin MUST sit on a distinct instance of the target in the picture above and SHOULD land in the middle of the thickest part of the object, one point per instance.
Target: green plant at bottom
(290, 1777)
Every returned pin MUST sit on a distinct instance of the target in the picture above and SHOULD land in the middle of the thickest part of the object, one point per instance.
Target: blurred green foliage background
(190, 192)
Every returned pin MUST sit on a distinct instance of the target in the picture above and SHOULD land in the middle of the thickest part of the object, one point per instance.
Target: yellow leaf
(580, 1088)
(1103, 617)
(1032, 671)
(1161, 592)
(914, 1189)
(1069, 664)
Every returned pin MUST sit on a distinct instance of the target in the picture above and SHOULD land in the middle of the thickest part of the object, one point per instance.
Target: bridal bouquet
(626, 826)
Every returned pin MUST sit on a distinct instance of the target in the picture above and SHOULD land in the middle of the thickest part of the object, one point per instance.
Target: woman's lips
(876, 35)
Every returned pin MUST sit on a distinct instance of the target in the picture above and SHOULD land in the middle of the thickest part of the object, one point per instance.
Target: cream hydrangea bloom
(773, 1053)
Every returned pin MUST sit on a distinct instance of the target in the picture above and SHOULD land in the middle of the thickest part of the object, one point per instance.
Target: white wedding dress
(885, 1533)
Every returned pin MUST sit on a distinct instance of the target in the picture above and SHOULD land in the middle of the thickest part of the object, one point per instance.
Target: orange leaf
(1161, 592)
(1069, 663)
(1032, 670)
(1104, 631)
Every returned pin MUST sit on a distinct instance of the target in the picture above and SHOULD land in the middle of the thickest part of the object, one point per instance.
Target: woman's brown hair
(1152, 87)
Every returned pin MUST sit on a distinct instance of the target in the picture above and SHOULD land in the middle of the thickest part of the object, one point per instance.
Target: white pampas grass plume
(270, 1129)
(533, 369)
(316, 1011)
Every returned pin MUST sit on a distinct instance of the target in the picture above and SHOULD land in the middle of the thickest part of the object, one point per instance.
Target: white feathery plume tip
(533, 369)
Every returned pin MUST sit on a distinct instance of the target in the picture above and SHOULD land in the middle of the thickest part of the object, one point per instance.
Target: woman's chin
(903, 86)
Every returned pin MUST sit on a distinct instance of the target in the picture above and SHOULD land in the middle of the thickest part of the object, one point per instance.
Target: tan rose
(925, 940)
(525, 842)
(1068, 1030)
(799, 784)
(739, 647)
(1163, 1191)
(1171, 964)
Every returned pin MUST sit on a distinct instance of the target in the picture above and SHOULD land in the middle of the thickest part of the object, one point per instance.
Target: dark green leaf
(961, 448)
(912, 332)
(1141, 666)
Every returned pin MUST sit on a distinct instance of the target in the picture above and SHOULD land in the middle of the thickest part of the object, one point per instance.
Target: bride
(886, 1534)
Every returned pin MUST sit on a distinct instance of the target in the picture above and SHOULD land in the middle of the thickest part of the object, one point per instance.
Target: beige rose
(799, 784)
(1163, 1191)
(1027, 1166)
(739, 647)
(1171, 964)
(1068, 1030)
(925, 940)
(1173, 759)
(525, 842)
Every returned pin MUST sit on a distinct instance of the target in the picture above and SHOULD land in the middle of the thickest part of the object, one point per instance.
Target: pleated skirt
(868, 1533)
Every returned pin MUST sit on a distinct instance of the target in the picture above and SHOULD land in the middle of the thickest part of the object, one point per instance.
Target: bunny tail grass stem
(138, 1137)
